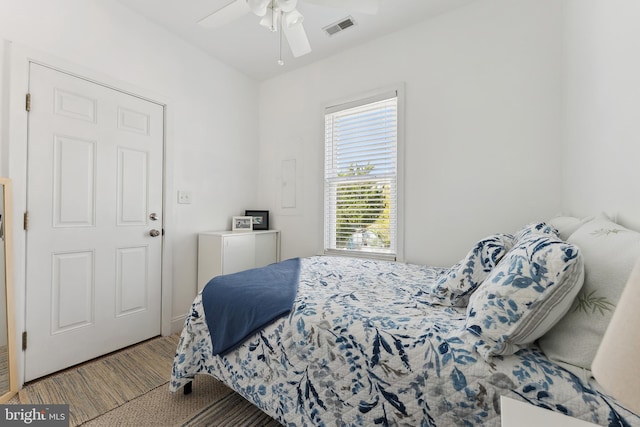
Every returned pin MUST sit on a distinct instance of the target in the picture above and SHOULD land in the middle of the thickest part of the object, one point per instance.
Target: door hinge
(24, 340)
(27, 105)
(25, 221)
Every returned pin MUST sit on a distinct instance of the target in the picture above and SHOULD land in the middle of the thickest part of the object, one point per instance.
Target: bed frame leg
(188, 387)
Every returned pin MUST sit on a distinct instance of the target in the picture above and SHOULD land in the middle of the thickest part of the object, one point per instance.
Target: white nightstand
(520, 414)
(226, 252)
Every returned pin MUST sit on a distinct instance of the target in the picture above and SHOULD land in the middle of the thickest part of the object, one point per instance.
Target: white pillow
(567, 225)
(610, 251)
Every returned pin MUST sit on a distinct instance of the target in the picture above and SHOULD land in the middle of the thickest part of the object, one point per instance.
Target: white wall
(602, 127)
(507, 103)
(212, 113)
(483, 126)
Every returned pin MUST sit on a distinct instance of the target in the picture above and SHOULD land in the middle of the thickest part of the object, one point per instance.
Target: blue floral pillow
(535, 228)
(456, 284)
(525, 295)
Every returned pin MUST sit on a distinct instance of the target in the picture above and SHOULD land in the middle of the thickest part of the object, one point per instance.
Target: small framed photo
(241, 223)
(260, 219)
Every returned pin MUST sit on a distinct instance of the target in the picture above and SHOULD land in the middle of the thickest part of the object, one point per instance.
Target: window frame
(362, 99)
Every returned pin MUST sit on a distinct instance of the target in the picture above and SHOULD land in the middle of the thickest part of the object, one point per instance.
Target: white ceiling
(252, 49)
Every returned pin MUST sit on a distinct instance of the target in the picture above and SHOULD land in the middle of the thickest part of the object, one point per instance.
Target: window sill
(361, 254)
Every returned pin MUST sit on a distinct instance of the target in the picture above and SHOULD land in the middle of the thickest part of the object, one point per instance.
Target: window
(361, 177)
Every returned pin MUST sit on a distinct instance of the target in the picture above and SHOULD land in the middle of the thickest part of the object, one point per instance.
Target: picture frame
(260, 219)
(242, 223)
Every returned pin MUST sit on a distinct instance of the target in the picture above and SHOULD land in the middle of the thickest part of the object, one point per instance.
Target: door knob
(153, 216)
(154, 233)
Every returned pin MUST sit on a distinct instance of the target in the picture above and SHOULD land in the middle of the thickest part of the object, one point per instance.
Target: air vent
(341, 25)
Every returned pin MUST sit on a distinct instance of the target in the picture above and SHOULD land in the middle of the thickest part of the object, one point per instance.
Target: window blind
(361, 170)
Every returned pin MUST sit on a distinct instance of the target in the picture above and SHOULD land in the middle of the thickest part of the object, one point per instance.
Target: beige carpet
(231, 410)
(210, 404)
(103, 384)
(130, 388)
(4, 369)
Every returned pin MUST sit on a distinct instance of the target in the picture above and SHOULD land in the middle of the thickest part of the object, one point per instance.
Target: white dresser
(226, 252)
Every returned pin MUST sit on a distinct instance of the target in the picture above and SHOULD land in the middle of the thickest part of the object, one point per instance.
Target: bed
(374, 342)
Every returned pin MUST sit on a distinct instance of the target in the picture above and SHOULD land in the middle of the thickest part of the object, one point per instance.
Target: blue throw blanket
(237, 305)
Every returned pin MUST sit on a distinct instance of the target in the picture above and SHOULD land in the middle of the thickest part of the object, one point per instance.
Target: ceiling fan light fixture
(258, 7)
(292, 18)
(270, 20)
(287, 5)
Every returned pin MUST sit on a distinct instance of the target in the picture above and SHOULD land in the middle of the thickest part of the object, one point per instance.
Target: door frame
(15, 128)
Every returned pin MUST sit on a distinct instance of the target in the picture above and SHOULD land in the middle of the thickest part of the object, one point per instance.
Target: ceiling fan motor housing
(260, 7)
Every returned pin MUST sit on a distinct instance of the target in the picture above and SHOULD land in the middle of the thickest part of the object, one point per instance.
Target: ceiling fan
(282, 13)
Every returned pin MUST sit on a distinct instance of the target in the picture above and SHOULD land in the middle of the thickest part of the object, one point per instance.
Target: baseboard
(177, 323)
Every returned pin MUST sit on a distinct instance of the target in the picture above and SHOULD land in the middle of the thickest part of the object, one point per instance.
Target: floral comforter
(364, 344)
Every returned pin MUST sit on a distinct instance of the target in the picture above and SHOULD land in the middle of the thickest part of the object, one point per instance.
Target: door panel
(133, 187)
(72, 283)
(132, 281)
(75, 106)
(73, 182)
(94, 177)
(133, 121)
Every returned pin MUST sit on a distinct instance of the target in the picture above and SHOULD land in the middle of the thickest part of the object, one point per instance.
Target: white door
(94, 187)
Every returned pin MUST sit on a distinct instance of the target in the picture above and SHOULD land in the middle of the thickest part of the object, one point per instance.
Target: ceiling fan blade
(297, 39)
(369, 7)
(226, 14)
